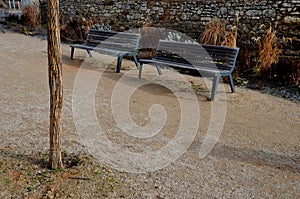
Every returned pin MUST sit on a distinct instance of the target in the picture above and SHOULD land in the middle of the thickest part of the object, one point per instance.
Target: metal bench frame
(205, 60)
(2, 17)
(2, 29)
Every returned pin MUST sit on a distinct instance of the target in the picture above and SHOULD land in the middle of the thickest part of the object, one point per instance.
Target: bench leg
(140, 71)
(72, 52)
(119, 63)
(214, 87)
(158, 69)
(90, 53)
(231, 83)
(2, 29)
(137, 64)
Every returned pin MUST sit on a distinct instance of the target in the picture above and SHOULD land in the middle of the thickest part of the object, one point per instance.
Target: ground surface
(256, 156)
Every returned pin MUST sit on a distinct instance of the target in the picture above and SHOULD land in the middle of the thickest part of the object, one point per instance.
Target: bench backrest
(197, 55)
(120, 41)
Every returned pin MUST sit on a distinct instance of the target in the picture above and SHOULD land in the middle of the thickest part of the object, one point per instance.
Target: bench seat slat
(112, 33)
(197, 60)
(195, 57)
(113, 39)
(196, 54)
(113, 46)
(194, 46)
(202, 68)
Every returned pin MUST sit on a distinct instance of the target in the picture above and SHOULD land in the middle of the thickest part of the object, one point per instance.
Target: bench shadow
(152, 87)
(72, 62)
(203, 94)
(257, 158)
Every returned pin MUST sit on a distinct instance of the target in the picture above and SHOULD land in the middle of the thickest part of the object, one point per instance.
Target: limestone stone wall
(190, 16)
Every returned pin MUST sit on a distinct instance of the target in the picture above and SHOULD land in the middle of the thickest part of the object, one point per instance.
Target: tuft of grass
(214, 32)
(269, 52)
(27, 32)
(148, 41)
(32, 16)
(61, 170)
(76, 161)
(75, 30)
(230, 37)
(30, 189)
(241, 81)
(217, 33)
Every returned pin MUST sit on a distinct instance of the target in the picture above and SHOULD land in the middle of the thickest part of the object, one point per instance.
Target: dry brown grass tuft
(216, 33)
(76, 30)
(148, 41)
(269, 52)
(32, 16)
(230, 37)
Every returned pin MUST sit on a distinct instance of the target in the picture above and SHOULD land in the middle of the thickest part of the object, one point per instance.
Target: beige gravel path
(257, 154)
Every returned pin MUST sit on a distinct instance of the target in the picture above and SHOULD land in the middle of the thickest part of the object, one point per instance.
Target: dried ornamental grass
(230, 38)
(32, 16)
(216, 33)
(269, 52)
(76, 30)
(149, 40)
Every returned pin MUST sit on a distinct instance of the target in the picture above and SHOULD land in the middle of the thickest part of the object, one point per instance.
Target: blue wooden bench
(119, 44)
(201, 59)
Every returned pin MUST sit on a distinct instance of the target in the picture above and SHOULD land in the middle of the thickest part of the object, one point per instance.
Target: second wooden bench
(204, 60)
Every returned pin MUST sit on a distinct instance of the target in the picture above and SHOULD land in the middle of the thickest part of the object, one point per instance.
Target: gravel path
(256, 156)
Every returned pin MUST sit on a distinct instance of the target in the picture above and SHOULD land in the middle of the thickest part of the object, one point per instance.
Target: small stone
(50, 195)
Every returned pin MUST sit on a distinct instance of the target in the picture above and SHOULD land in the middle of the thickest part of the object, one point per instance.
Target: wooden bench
(119, 44)
(204, 60)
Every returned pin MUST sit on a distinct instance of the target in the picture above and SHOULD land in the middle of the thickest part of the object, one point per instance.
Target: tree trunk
(55, 84)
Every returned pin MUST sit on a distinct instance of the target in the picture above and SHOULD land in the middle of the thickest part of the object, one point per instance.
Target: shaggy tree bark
(55, 84)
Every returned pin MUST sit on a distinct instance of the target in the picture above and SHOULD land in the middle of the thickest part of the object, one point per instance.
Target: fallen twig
(79, 178)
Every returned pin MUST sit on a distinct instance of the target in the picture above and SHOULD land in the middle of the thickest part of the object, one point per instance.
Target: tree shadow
(156, 88)
(41, 159)
(35, 158)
